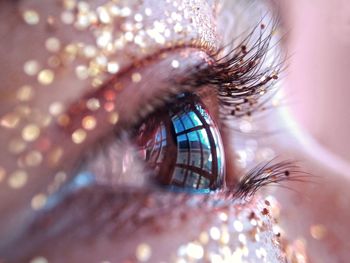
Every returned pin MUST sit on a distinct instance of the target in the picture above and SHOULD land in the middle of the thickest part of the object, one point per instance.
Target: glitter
(90, 51)
(56, 108)
(25, 93)
(38, 201)
(125, 11)
(138, 17)
(143, 252)
(10, 120)
(318, 232)
(2, 174)
(89, 123)
(103, 15)
(175, 63)
(223, 216)
(242, 238)
(52, 44)
(204, 238)
(55, 156)
(113, 118)
(82, 72)
(33, 158)
(195, 251)
(30, 132)
(104, 39)
(46, 77)
(93, 104)
(31, 17)
(67, 17)
(148, 11)
(238, 226)
(69, 4)
(63, 120)
(16, 146)
(136, 77)
(129, 36)
(39, 260)
(112, 67)
(31, 67)
(214, 233)
(78, 136)
(17, 179)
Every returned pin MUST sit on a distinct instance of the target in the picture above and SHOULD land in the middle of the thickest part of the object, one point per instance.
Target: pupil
(182, 145)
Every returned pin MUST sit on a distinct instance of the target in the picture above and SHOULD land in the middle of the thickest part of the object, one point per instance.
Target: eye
(181, 144)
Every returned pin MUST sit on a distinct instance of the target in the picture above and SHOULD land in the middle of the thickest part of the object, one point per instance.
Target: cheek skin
(189, 229)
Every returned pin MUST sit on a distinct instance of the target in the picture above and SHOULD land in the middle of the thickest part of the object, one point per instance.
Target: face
(119, 125)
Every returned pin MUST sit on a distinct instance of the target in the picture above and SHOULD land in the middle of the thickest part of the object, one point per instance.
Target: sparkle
(67, 17)
(318, 232)
(143, 252)
(17, 179)
(238, 226)
(30, 132)
(112, 67)
(16, 146)
(82, 72)
(25, 93)
(38, 201)
(31, 67)
(175, 63)
(31, 17)
(195, 251)
(136, 77)
(52, 44)
(56, 108)
(113, 118)
(78, 136)
(10, 120)
(214, 233)
(93, 104)
(33, 158)
(89, 123)
(46, 77)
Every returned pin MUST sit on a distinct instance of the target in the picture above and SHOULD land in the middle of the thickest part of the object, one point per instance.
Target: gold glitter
(195, 251)
(52, 44)
(93, 104)
(112, 67)
(214, 233)
(17, 179)
(2, 174)
(31, 67)
(136, 77)
(46, 77)
(33, 158)
(175, 63)
(69, 4)
(39, 260)
(63, 120)
(31, 17)
(82, 72)
(204, 238)
(318, 232)
(16, 146)
(10, 120)
(143, 252)
(30, 132)
(78, 136)
(25, 93)
(67, 17)
(56, 108)
(38, 201)
(89, 123)
(113, 118)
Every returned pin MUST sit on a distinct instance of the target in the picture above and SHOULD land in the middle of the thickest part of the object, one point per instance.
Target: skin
(171, 220)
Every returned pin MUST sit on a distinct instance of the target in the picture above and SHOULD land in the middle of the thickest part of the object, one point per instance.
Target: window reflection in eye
(182, 145)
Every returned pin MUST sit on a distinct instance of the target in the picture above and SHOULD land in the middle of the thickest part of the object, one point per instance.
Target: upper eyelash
(241, 76)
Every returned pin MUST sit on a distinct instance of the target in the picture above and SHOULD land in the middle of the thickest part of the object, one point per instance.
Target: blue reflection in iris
(185, 148)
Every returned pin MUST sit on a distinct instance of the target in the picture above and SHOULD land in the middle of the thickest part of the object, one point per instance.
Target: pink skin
(176, 219)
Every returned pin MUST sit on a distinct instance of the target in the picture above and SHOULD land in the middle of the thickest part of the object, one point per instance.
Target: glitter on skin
(17, 179)
(143, 252)
(318, 231)
(30, 132)
(31, 17)
(78, 136)
(38, 201)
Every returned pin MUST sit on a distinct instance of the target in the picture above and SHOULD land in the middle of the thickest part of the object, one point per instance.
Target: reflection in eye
(182, 145)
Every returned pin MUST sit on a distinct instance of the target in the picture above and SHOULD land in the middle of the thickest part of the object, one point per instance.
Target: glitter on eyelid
(175, 63)
(46, 77)
(78, 136)
(136, 77)
(17, 179)
(31, 67)
(25, 93)
(93, 104)
(318, 232)
(10, 120)
(112, 67)
(113, 118)
(52, 44)
(143, 252)
(30, 132)
(33, 158)
(31, 17)
(38, 201)
(89, 123)
(16, 146)
(56, 108)
(39, 260)
(214, 233)
(195, 251)
(82, 72)
(67, 17)
(238, 226)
